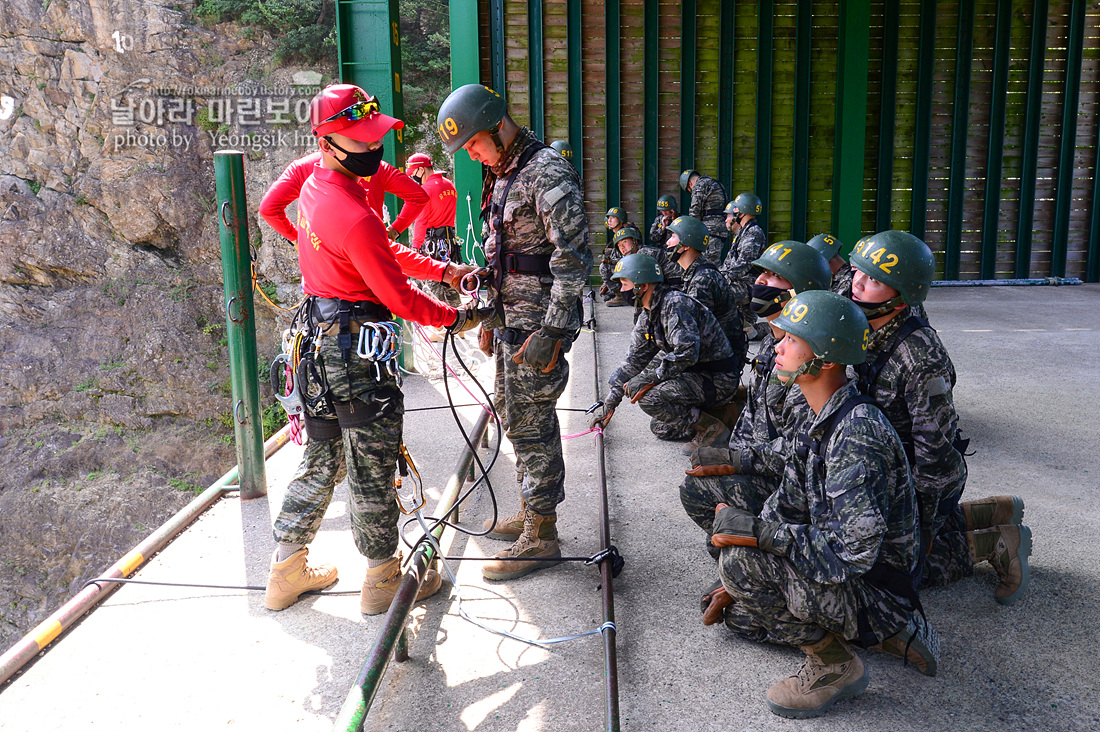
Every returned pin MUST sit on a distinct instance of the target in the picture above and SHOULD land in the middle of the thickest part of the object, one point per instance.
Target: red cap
(417, 160)
(334, 99)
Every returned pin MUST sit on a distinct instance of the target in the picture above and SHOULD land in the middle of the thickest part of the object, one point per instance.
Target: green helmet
(627, 232)
(798, 263)
(564, 149)
(746, 203)
(640, 269)
(897, 259)
(617, 212)
(685, 177)
(827, 245)
(468, 110)
(833, 325)
(691, 231)
(667, 203)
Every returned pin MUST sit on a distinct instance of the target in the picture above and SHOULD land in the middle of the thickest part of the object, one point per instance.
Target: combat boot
(918, 643)
(381, 583)
(291, 577)
(539, 542)
(507, 529)
(829, 673)
(993, 511)
(1007, 549)
(617, 302)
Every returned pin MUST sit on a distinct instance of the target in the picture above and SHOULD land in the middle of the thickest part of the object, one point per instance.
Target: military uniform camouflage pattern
(611, 256)
(658, 233)
(544, 215)
(440, 291)
(705, 283)
(914, 391)
(370, 454)
(842, 281)
(747, 246)
(668, 344)
(839, 517)
(708, 202)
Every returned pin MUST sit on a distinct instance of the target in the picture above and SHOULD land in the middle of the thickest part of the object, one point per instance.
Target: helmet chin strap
(877, 309)
(810, 368)
(495, 135)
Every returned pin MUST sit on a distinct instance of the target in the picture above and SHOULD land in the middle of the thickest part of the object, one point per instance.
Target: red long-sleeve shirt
(344, 252)
(440, 211)
(388, 179)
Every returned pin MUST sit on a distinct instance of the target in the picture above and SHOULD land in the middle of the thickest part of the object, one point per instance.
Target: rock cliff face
(115, 371)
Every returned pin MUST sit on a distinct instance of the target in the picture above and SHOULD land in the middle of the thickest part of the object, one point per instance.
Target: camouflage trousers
(440, 291)
(674, 404)
(774, 603)
(700, 496)
(530, 398)
(368, 452)
(607, 268)
(949, 561)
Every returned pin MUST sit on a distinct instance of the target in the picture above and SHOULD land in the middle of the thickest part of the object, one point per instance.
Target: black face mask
(768, 300)
(638, 296)
(362, 164)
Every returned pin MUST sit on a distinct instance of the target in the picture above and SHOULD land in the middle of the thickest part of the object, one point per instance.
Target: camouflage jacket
(842, 281)
(544, 215)
(705, 283)
(747, 246)
(842, 514)
(914, 390)
(770, 419)
(668, 340)
(658, 234)
(708, 204)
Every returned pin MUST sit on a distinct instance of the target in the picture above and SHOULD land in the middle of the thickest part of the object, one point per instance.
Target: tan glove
(485, 342)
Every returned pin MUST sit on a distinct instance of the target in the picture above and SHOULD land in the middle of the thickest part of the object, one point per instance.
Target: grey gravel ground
(188, 659)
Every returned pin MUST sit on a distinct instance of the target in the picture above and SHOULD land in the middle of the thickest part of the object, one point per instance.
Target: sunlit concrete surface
(189, 659)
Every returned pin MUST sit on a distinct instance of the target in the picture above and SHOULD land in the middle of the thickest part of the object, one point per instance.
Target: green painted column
(1068, 146)
(688, 37)
(496, 46)
(887, 117)
(535, 67)
(466, 69)
(922, 134)
(995, 154)
(800, 172)
(765, 51)
(726, 50)
(612, 120)
(1029, 163)
(573, 18)
(853, 52)
(240, 321)
(960, 123)
(651, 120)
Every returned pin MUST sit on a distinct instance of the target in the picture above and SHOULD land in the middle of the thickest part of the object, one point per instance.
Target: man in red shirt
(353, 282)
(434, 229)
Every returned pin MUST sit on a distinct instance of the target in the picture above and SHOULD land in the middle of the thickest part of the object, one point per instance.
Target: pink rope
(597, 428)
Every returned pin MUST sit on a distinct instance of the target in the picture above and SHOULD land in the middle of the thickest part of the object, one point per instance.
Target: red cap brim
(371, 129)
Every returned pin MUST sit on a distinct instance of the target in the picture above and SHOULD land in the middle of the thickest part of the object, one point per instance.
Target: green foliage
(186, 484)
(35, 186)
(85, 385)
(273, 418)
(305, 28)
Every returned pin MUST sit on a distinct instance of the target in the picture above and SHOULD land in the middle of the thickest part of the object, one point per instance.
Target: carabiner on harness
(470, 286)
(407, 469)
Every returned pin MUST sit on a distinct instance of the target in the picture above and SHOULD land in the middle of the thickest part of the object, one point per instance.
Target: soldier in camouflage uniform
(708, 200)
(679, 360)
(667, 210)
(909, 373)
(750, 467)
(828, 246)
(610, 289)
(749, 241)
(538, 249)
(832, 557)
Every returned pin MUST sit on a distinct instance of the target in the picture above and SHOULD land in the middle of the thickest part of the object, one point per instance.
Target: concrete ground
(185, 658)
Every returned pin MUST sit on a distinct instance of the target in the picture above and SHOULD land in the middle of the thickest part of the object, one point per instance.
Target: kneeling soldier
(679, 361)
(832, 557)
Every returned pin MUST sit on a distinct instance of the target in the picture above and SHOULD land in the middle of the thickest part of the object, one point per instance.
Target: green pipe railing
(1063, 194)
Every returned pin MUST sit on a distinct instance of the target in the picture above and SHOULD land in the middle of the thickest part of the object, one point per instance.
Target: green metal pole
(960, 120)
(922, 134)
(496, 46)
(995, 155)
(650, 120)
(853, 52)
(1063, 195)
(887, 116)
(800, 173)
(688, 37)
(1092, 262)
(726, 65)
(576, 83)
(762, 183)
(240, 321)
(1029, 163)
(466, 69)
(535, 67)
(612, 119)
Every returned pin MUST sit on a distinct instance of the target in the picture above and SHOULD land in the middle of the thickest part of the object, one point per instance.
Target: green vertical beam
(496, 47)
(240, 321)
(960, 120)
(1092, 263)
(1029, 163)
(800, 173)
(991, 215)
(465, 69)
(535, 67)
(651, 121)
(853, 55)
(574, 45)
(612, 126)
(891, 20)
(762, 182)
(1063, 195)
(728, 20)
(922, 133)
(688, 35)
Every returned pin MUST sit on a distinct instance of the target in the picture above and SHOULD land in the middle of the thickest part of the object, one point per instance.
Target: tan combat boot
(293, 576)
(918, 643)
(539, 542)
(1007, 549)
(830, 673)
(507, 529)
(381, 583)
(993, 511)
